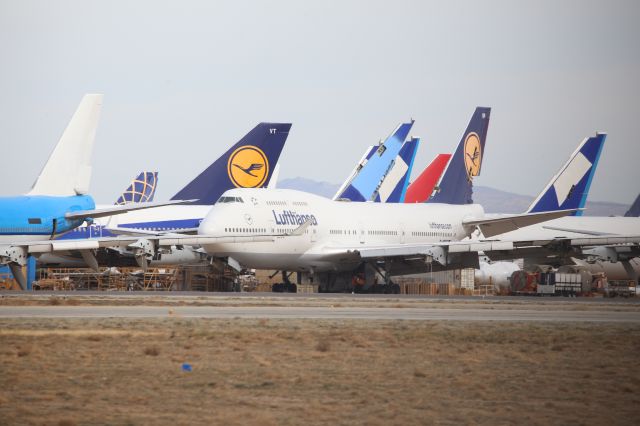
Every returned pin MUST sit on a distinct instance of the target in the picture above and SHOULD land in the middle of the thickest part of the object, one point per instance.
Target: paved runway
(274, 312)
(124, 295)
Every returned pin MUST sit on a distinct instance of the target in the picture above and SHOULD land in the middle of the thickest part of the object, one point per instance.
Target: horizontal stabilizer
(110, 211)
(508, 223)
(577, 231)
(68, 169)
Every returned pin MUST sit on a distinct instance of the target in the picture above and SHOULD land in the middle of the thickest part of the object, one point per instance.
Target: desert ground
(305, 371)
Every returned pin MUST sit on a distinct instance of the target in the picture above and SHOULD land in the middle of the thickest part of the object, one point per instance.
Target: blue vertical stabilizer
(456, 186)
(248, 164)
(569, 188)
(141, 190)
(394, 185)
(365, 183)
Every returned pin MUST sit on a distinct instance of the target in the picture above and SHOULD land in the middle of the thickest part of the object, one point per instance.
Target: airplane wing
(491, 227)
(425, 257)
(142, 232)
(119, 209)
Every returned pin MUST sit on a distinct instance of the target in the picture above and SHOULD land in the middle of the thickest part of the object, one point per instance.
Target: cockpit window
(224, 199)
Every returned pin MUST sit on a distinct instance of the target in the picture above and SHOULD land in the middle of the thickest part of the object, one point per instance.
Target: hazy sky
(184, 80)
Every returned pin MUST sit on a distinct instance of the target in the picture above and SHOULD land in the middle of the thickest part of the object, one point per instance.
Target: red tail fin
(421, 189)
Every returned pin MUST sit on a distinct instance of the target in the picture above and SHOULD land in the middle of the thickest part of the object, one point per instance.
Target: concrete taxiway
(275, 312)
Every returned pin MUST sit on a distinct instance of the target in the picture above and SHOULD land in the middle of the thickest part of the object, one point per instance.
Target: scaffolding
(109, 279)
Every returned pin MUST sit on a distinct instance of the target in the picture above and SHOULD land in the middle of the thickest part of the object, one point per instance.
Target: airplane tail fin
(247, 164)
(68, 169)
(365, 157)
(394, 185)
(362, 186)
(634, 210)
(456, 186)
(273, 182)
(569, 188)
(421, 189)
(141, 190)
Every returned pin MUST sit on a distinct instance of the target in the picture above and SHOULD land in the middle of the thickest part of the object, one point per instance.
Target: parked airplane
(261, 146)
(558, 241)
(58, 201)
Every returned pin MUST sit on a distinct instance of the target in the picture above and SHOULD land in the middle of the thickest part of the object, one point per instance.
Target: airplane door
(401, 233)
(313, 231)
(362, 233)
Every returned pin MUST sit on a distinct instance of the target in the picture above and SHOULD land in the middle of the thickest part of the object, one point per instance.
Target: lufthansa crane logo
(248, 167)
(472, 155)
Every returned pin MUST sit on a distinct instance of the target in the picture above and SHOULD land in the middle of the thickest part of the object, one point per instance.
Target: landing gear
(389, 287)
(286, 286)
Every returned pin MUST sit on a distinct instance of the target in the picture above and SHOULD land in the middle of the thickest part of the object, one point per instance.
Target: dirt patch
(201, 371)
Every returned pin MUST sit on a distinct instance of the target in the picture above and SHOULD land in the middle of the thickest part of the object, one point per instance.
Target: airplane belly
(7, 239)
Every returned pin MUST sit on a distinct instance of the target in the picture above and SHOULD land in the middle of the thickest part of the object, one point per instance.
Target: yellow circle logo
(472, 155)
(248, 167)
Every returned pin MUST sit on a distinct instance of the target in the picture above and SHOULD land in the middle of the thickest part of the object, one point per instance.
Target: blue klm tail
(395, 183)
(569, 188)
(247, 164)
(456, 186)
(363, 186)
(141, 190)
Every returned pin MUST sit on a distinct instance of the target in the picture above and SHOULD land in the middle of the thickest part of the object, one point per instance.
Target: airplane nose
(206, 226)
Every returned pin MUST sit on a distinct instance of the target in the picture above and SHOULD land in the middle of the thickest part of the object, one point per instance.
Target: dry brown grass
(98, 371)
(171, 300)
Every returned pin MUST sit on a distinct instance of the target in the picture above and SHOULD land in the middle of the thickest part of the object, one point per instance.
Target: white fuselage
(335, 228)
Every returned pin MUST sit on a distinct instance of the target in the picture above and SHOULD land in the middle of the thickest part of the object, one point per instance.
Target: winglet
(68, 169)
(141, 190)
(569, 188)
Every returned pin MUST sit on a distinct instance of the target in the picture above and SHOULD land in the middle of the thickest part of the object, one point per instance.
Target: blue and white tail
(247, 164)
(634, 210)
(569, 188)
(68, 169)
(456, 186)
(368, 174)
(394, 184)
(141, 190)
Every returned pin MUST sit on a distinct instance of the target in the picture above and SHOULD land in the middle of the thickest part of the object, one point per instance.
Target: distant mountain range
(493, 200)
